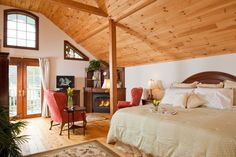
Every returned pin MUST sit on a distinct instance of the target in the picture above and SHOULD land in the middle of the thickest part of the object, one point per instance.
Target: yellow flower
(70, 91)
(156, 102)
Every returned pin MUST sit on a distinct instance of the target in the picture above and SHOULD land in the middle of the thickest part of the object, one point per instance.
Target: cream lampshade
(106, 84)
(158, 84)
(151, 84)
(155, 85)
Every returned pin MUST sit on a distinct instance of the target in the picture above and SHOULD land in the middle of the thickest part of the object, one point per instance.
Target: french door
(24, 88)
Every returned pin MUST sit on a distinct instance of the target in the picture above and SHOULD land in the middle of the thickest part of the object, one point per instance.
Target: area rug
(87, 149)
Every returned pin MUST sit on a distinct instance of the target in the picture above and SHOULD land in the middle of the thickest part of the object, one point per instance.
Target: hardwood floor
(43, 139)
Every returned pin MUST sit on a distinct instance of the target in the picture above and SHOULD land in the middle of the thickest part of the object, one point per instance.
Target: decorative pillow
(195, 100)
(171, 93)
(231, 84)
(184, 85)
(180, 100)
(219, 98)
(219, 85)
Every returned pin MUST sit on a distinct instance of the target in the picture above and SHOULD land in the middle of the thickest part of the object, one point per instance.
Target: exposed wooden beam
(143, 38)
(139, 5)
(113, 66)
(81, 7)
(102, 5)
(136, 7)
(95, 31)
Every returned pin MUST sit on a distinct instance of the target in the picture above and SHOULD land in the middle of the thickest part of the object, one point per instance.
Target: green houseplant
(9, 135)
(94, 65)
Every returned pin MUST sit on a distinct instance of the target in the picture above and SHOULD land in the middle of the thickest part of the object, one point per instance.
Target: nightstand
(146, 101)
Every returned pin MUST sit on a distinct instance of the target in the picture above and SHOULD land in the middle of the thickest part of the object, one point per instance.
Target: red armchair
(56, 103)
(136, 94)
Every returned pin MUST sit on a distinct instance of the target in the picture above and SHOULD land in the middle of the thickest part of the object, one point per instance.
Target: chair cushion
(136, 94)
(123, 104)
(57, 102)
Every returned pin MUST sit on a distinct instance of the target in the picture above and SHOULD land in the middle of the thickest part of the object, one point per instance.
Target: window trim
(85, 58)
(22, 12)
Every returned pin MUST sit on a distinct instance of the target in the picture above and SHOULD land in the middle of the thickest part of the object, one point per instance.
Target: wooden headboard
(211, 77)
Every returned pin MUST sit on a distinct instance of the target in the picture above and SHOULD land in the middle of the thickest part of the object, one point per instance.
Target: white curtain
(44, 69)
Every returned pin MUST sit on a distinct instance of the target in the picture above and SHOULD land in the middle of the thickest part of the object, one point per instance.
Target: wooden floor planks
(43, 139)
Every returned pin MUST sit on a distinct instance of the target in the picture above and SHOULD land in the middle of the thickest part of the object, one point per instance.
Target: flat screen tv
(65, 82)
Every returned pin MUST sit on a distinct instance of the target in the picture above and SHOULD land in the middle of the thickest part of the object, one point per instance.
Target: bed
(198, 132)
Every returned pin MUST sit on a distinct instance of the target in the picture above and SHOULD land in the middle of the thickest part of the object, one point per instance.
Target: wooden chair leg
(62, 125)
(84, 121)
(85, 124)
(51, 125)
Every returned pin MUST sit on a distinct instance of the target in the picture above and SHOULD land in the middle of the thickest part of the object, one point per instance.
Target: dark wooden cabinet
(76, 97)
(89, 92)
(4, 89)
(89, 82)
(88, 79)
(146, 101)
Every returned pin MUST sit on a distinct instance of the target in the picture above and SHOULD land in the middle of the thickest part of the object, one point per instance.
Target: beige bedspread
(199, 132)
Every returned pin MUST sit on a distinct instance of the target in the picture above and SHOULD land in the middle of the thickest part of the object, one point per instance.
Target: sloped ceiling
(163, 30)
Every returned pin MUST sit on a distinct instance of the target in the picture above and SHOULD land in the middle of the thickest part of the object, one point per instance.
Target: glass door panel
(12, 90)
(33, 90)
(24, 88)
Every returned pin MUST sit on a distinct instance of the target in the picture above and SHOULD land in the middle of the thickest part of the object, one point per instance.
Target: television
(64, 82)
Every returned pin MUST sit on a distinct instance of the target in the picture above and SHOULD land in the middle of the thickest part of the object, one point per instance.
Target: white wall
(177, 71)
(51, 44)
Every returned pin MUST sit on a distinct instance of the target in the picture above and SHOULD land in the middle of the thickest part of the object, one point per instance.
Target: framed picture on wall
(65, 81)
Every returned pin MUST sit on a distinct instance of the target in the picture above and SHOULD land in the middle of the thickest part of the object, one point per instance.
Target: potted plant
(10, 137)
(94, 65)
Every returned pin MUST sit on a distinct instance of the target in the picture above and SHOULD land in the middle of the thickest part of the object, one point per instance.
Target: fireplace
(101, 102)
(91, 95)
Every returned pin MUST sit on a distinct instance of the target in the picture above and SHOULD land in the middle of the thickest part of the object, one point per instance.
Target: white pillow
(203, 85)
(219, 98)
(170, 95)
(194, 100)
(231, 84)
(180, 100)
(184, 85)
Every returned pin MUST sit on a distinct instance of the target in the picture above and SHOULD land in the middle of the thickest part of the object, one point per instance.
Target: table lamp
(106, 84)
(154, 84)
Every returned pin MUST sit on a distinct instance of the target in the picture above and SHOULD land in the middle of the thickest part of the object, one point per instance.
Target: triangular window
(72, 53)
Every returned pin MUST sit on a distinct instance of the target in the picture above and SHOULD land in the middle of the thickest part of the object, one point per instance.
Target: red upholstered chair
(57, 102)
(136, 94)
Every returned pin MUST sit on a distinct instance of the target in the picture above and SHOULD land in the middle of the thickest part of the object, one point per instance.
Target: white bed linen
(172, 93)
(199, 132)
(219, 98)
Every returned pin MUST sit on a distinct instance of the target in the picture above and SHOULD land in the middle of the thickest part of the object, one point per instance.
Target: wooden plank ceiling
(154, 31)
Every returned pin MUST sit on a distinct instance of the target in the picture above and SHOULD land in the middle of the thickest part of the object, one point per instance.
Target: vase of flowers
(156, 103)
(69, 97)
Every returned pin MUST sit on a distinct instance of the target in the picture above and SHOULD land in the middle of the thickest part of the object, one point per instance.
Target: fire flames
(104, 103)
